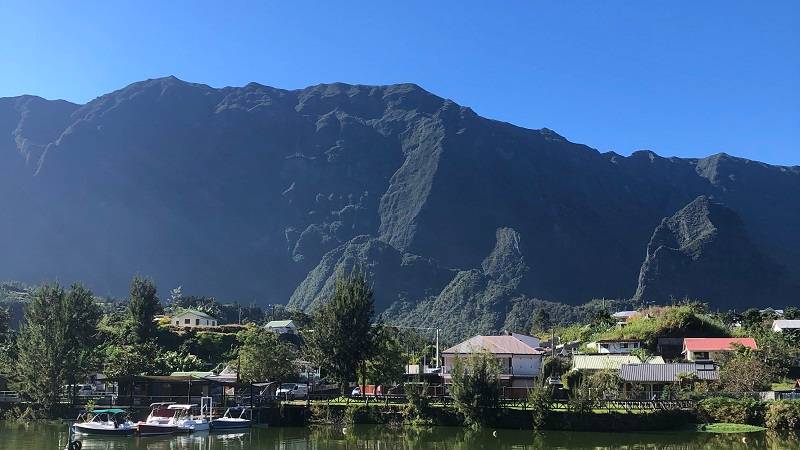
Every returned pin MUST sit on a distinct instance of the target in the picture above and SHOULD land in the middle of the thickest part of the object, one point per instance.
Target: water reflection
(38, 437)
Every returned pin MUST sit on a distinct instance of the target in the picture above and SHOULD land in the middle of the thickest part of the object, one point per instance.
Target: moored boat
(161, 421)
(106, 422)
(234, 417)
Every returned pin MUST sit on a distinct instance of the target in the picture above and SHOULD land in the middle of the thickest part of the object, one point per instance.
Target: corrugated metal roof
(716, 344)
(504, 345)
(784, 323)
(603, 362)
(193, 312)
(279, 323)
(664, 373)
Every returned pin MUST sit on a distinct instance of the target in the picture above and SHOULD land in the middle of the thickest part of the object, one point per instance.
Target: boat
(161, 421)
(107, 422)
(234, 417)
(188, 422)
(171, 418)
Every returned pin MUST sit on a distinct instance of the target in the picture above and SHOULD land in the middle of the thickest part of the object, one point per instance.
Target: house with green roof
(192, 318)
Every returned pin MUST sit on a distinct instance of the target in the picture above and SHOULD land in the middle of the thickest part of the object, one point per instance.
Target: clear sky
(686, 78)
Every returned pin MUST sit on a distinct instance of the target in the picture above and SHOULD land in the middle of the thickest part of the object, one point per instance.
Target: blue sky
(687, 78)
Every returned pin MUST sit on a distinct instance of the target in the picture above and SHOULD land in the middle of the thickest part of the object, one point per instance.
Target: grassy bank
(502, 418)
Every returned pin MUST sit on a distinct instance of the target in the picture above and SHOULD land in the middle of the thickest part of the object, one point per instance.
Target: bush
(783, 415)
(476, 388)
(417, 411)
(723, 409)
(540, 399)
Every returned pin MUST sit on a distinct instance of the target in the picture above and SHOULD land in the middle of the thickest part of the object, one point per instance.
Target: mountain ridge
(243, 191)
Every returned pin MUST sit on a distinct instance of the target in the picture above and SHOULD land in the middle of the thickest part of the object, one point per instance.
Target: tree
(555, 366)
(132, 359)
(791, 313)
(263, 357)
(172, 361)
(541, 321)
(81, 316)
(342, 338)
(144, 305)
(8, 352)
(744, 372)
(385, 365)
(40, 366)
(476, 387)
(540, 399)
(752, 318)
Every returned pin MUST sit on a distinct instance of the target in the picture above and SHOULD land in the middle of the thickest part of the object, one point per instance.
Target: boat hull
(218, 424)
(102, 431)
(153, 429)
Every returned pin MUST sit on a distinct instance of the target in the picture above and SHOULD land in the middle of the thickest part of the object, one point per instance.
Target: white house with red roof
(520, 357)
(710, 349)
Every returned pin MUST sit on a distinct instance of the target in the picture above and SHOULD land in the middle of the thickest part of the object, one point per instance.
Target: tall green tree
(476, 388)
(81, 316)
(386, 363)
(264, 357)
(58, 343)
(40, 364)
(143, 307)
(7, 345)
(342, 337)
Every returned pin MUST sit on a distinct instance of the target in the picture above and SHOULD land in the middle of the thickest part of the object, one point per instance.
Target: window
(187, 321)
(605, 346)
(635, 345)
(177, 322)
(624, 345)
(197, 321)
(700, 355)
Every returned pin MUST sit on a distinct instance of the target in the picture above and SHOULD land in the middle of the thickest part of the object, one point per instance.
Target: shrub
(476, 388)
(540, 399)
(723, 409)
(783, 415)
(417, 410)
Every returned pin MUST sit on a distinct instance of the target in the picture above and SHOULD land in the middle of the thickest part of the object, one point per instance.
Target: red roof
(716, 344)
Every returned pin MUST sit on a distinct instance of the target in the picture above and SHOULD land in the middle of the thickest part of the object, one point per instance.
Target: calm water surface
(44, 437)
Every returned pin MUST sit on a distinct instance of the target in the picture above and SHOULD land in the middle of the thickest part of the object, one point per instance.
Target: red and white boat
(161, 421)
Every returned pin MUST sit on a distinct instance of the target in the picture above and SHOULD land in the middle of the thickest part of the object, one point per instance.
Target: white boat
(235, 417)
(188, 422)
(160, 421)
(107, 422)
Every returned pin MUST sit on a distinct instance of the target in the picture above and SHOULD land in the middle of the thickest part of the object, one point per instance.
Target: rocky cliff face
(256, 193)
(703, 251)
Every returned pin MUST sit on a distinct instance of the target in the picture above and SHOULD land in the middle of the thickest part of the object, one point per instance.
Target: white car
(292, 391)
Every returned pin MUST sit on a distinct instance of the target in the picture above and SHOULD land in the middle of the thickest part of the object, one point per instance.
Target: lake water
(54, 437)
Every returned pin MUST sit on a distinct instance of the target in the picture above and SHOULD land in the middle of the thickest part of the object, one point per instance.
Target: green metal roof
(108, 411)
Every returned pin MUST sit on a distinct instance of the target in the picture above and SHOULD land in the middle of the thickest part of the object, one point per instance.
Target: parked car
(356, 392)
(292, 391)
(81, 390)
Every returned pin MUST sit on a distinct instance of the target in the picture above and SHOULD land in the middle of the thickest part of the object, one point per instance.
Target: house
(615, 345)
(608, 361)
(783, 324)
(710, 349)
(520, 357)
(193, 319)
(281, 327)
(622, 317)
(647, 380)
